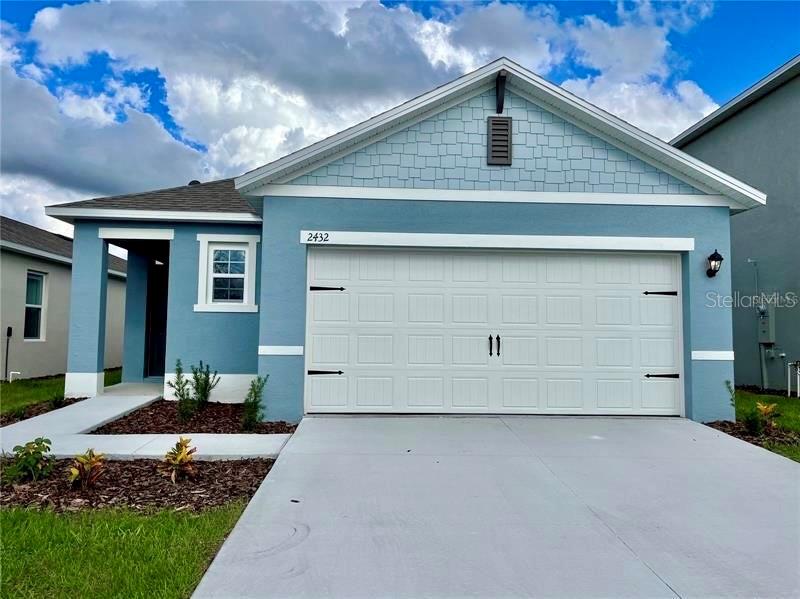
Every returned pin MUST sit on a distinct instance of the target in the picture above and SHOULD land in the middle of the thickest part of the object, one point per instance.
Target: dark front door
(156, 331)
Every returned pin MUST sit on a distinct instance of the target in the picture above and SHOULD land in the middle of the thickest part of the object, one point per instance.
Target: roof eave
(71, 214)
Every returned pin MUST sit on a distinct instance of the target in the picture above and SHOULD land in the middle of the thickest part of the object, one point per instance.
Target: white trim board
(717, 355)
(68, 214)
(554, 98)
(124, 233)
(280, 350)
(454, 240)
(83, 384)
(232, 388)
(471, 195)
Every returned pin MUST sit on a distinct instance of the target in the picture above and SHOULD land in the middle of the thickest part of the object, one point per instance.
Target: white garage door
(493, 332)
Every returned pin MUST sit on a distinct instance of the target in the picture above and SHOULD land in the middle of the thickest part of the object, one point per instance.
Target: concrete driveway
(516, 507)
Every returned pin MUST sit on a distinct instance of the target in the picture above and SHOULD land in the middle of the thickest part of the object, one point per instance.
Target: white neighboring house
(35, 281)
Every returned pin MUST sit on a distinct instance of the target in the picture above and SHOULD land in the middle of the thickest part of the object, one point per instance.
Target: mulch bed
(770, 436)
(142, 486)
(162, 417)
(36, 409)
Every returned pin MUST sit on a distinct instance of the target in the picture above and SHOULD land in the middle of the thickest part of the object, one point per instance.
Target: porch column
(87, 312)
(133, 349)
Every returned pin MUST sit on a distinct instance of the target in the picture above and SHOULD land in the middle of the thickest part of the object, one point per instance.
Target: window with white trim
(33, 329)
(227, 273)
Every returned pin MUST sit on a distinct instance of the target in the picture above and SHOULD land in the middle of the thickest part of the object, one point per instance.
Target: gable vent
(499, 136)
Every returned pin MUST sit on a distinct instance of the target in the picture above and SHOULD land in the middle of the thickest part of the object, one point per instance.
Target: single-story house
(35, 277)
(496, 245)
(756, 137)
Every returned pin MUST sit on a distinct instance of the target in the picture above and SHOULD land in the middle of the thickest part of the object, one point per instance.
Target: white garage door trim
(357, 254)
(460, 240)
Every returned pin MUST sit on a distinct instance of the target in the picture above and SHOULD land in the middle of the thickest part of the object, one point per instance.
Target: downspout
(762, 354)
(8, 340)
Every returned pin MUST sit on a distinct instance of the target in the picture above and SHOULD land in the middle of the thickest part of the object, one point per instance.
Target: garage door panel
(410, 332)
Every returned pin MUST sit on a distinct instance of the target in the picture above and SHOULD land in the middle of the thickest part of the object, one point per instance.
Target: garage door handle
(662, 376)
(312, 372)
(320, 288)
(660, 293)
(490, 346)
(498, 346)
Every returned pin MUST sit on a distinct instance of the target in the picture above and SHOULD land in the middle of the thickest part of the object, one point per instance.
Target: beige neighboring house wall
(49, 356)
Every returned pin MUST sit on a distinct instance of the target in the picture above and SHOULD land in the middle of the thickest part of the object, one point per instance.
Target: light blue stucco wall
(87, 311)
(448, 151)
(228, 341)
(283, 295)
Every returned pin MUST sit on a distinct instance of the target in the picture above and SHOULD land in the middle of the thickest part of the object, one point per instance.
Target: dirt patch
(162, 417)
(36, 409)
(141, 485)
(770, 436)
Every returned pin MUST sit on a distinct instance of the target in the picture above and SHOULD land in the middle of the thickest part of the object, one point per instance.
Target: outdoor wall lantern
(714, 264)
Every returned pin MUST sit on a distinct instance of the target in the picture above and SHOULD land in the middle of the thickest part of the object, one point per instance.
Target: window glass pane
(33, 292)
(221, 255)
(237, 283)
(236, 295)
(220, 267)
(237, 268)
(237, 256)
(33, 322)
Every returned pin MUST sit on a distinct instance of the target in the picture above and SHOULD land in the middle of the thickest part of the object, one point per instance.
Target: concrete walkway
(66, 428)
(515, 507)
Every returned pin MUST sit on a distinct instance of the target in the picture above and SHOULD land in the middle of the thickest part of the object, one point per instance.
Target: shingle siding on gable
(448, 151)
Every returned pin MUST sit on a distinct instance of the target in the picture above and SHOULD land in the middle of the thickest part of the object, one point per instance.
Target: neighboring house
(35, 282)
(756, 137)
(496, 245)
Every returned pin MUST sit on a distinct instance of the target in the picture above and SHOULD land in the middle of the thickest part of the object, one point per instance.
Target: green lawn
(789, 417)
(109, 553)
(25, 392)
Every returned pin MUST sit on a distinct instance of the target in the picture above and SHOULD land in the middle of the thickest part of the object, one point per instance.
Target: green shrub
(86, 469)
(181, 387)
(179, 461)
(203, 382)
(30, 462)
(731, 391)
(753, 423)
(253, 407)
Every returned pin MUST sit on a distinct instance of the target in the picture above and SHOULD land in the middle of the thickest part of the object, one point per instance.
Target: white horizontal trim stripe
(722, 355)
(29, 251)
(225, 308)
(471, 195)
(214, 237)
(550, 242)
(124, 233)
(159, 215)
(280, 350)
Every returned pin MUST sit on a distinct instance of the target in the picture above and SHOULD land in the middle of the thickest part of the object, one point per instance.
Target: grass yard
(25, 392)
(109, 553)
(789, 416)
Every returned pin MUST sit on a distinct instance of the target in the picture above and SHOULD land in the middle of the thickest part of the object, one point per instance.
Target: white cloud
(102, 109)
(647, 105)
(24, 198)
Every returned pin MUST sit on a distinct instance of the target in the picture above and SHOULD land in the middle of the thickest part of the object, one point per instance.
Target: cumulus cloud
(250, 82)
(40, 140)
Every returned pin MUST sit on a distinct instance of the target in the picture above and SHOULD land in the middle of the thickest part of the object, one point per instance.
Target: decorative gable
(449, 151)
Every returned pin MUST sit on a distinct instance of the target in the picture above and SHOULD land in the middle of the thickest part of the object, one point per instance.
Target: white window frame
(208, 242)
(43, 307)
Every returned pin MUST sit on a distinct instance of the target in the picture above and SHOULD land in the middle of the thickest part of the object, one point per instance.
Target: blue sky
(100, 99)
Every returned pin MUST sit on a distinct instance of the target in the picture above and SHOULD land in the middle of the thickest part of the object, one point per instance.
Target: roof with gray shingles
(14, 231)
(214, 196)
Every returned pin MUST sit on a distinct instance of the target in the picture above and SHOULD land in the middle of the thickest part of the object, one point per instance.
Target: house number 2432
(318, 237)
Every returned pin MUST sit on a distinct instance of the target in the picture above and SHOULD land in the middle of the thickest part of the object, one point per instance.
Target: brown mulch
(771, 435)
(141, 485)
(36, 409)
(162, 417)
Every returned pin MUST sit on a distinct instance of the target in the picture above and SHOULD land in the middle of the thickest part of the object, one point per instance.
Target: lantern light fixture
(714, 264)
